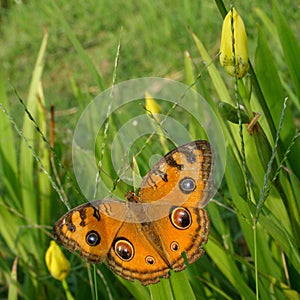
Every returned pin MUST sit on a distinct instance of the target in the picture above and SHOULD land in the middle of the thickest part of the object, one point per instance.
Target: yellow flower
(152, 106)
(56, 262)
(239, 42)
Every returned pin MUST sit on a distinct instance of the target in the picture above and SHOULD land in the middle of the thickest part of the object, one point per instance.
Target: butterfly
(145, 237)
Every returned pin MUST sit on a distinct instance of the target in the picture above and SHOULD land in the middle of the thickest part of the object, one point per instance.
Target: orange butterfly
(145, 237)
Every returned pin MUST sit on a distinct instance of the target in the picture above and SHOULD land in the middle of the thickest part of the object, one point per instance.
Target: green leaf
(8, 157)
(29, 192)
(213, 72)
(181, 286)
(43, 150)
(161, 290)
(135, 288)
(289, 45)
(282, 237)
(227, 266)
(188, 69)
(13, 290)
(274, 94)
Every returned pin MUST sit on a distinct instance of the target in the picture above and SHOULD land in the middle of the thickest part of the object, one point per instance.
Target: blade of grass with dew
(56, 13)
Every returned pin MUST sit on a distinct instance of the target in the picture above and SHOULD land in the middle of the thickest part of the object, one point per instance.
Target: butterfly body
(145, 237)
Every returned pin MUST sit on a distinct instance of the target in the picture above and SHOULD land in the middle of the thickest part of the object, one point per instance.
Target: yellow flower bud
(152, 106)
(239, 42)
(56, 262)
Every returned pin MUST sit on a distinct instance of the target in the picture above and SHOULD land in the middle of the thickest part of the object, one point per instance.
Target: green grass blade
(82, 53)
(218, 83)
(289, 45)
(270, 83)
(29, 193)
(30, 198)
(268, 25)
(135, 288)
(181, 286)
(8, 156)
(227, 266)
(161, 290)
(44, 189)
(188, 69)
(13, 290)
(282, 237)
(9, 233)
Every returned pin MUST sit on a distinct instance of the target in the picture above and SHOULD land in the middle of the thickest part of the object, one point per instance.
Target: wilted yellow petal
(152, 106)
(56, 262)
(239, 42)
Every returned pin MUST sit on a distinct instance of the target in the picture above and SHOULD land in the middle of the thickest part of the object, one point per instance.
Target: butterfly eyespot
(93, 238)
(150, 260)
(181, 218)
(72, 227)
(187, 185)
(192, 158)
(124, 249)
(174, 246)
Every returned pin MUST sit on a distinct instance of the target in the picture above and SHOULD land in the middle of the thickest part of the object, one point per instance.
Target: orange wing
(91, 228)
(147, 251)
(183, 176)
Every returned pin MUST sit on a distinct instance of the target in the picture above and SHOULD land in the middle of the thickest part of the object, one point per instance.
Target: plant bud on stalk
(233, 24)
(152, 106)
(56, 262)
